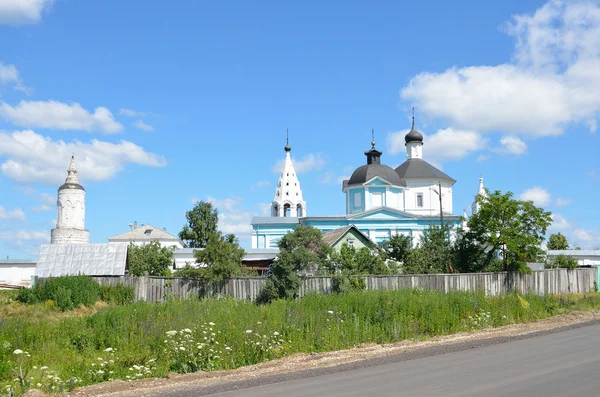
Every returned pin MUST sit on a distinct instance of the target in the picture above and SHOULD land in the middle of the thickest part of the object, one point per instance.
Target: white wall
(17, 273)
(431, 203)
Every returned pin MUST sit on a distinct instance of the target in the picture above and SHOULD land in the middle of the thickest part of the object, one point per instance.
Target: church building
(380, 201)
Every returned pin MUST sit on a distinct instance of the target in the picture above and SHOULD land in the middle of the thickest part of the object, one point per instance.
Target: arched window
(275, 211)
(286, 210)
(299, 211)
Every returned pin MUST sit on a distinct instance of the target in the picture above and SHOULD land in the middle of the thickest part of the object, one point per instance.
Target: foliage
(561, 262)
(201, 223)
(222, 258)
(67, 292)
(505, 227)
(343, 282)
(117, 294)
(363, 261)
(434, 253)
(299, 251)
(398, 248)
(557, 241)
(189, 271)
(150, 259)
(78, 350)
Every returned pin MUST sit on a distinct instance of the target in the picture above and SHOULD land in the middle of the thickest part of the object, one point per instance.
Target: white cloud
(576, 235)
(61, 116)
(18, 12)
(139, 124)
(131, 113)
(562, 202)
(554, 78)
(232, 217)
(308, 163)
(559, 223)
(41, 208)
(260, 185)
(445, 145)
(10, 75)
(538, 195)
(16, 214)
(512, 145)
(483, 157)
(30, 157)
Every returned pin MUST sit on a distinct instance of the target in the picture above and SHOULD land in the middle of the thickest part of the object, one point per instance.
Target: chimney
(135, 225)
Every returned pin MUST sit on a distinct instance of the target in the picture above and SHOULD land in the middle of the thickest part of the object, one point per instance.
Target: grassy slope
(73, 345)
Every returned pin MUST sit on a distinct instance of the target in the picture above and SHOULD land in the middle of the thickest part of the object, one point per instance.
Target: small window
(350, 242)
(287, 184)
(147, 232)
(420, 200)
(287, 193)
(357, 200)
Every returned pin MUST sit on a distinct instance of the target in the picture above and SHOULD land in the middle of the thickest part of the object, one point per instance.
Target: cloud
(553, 79)
(559, 223)
(41, 208)
(445, 145)
(538, 195)
(10, 75)
(131, 113)
(308, 163)
(20, 12)
(260, 185)
(576, 235)
(512, 145)
(139, 124)
(483, 157)
(562, 202)
(232, 217)
(61, 116)
(16, 214)
(30, 157)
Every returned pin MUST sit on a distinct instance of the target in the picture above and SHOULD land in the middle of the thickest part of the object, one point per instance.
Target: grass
(143, 339)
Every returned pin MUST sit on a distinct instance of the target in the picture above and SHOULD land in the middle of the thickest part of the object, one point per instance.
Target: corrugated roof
(145, 233)
(367, 172)
(573, 252)
(419, 168)
(107, 259)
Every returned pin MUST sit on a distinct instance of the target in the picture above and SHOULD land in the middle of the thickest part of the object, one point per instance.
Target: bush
(68, 292)
(117, 294)
(343, 283)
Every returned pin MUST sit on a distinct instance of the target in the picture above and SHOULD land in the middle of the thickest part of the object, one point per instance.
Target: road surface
(565, 363)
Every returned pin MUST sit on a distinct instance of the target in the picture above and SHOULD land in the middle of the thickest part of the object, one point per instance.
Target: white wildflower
(329, 311)
(171, 333)
(181, 348)
(44, 367)
(108, 349)
(187, 330)
(248, 331)
(276, 333)
(18, 351)
(211, 324)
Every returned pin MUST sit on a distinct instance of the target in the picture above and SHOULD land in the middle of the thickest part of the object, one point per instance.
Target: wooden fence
(542, 282)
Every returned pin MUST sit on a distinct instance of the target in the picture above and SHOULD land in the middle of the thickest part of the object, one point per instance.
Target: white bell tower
(288, 201)
(70, 211)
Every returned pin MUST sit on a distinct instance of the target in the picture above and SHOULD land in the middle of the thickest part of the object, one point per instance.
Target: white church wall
(16, 272)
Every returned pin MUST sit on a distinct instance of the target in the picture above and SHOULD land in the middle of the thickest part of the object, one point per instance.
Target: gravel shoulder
(306, 365)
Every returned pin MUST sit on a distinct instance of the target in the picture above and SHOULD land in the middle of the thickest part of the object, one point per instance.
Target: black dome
(413, 136)
(67, 185)
(369, 171)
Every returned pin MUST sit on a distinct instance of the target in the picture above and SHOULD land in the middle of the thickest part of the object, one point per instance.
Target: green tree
(299, 251)
(150, 259)
(507, 228)
(434, 253)
(222, 258)
(202, 221)
(557, 241)
(398, 248)
(561, 262)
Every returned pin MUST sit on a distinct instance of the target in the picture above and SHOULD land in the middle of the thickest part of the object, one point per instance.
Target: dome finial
(413, 118)
(413, 135)
(287, 141)
(372, 138)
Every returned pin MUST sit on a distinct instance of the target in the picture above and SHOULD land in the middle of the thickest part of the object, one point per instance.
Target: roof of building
(573, 252)
(71, 182)
(332, 237)
(288, 220)
(146, 233)
(419, 168)
(367, 172)
(107, 259)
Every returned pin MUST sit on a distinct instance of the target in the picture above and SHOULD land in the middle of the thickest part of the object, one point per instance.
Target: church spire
(288, 201)
(287, 147)
(72, 172)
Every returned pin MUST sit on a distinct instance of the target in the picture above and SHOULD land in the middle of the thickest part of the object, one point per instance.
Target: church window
(288, 174)
(420, 200)
(350, 242)
(357, 200)
(147, 232)
(287, 193)
(287, 184)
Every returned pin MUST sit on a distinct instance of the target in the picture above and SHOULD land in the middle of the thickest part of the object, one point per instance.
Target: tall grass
(144, 339)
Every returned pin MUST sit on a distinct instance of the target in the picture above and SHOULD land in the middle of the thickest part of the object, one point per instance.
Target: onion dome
(413, 135)
(373, 169)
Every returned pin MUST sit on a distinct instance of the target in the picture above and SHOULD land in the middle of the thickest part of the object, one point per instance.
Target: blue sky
(164, 103)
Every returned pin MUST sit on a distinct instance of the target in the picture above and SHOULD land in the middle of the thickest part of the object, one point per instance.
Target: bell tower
(288, 201)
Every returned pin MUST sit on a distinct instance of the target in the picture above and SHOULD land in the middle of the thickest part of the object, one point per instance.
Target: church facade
(380, 201)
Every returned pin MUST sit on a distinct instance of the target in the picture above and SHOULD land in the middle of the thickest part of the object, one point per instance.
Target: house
(583, 257)
(146, 234)
(16, 272)
(349, 235)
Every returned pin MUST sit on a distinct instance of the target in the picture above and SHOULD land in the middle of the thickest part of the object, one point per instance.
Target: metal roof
(107, 259)
(257, 220)
(333, 236)
(367, 172)
(419, 168)
(573, 252)
(146, 233)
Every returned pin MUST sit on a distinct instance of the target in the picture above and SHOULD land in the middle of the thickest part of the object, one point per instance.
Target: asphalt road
(565, 363)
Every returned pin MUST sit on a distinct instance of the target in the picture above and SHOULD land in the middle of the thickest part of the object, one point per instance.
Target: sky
(166, 103)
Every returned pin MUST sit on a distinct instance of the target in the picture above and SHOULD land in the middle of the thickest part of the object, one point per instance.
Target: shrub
(117, 294)
(68, 292)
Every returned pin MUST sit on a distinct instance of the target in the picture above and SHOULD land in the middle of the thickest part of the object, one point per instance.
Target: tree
(434, 253)
(222, 258)
(299, 251)
(562, 262)
(510, 229)
(150, 259)
(202, 221)
(557, 242)
(398, 247)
